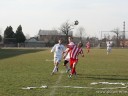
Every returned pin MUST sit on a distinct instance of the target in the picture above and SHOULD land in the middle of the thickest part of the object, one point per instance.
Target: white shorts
(108, 49)
(67, 59)
(57, 59)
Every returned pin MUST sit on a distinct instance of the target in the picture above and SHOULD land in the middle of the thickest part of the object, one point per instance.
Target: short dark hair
(81, 44)
(60, 39)
(70, 37)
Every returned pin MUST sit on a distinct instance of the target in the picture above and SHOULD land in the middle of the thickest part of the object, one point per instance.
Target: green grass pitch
(99, 74)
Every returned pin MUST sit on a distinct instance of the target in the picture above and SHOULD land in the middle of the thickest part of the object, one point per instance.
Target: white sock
(66, 67)
(55, 69)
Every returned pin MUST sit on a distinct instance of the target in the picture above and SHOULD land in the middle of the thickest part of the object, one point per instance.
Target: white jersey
(108, 45)
(58, 50)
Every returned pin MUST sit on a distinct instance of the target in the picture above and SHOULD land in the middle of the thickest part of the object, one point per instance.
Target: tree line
(13, 37)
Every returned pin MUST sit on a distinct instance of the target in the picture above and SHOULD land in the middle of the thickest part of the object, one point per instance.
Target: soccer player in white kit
(58, 50)
(109, 47)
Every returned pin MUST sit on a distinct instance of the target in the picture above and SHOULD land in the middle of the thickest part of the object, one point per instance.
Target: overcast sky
(93, 15)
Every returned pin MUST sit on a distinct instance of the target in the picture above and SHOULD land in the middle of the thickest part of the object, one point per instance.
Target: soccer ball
(76, 22)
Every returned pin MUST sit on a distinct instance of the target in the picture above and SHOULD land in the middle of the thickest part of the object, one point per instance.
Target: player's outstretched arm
(65, 53)
(53, 49)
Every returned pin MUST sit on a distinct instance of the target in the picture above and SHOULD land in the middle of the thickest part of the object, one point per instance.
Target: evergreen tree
(9, 35)
(0, 38)
(20, 38)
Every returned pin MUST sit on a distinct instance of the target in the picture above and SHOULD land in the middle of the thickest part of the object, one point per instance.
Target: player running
(58, 50)
(109, 47)
(74, 52)
(88, 46)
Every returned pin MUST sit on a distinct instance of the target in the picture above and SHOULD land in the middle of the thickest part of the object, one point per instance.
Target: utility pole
(117, 33)
(124, 30)
(123, 34)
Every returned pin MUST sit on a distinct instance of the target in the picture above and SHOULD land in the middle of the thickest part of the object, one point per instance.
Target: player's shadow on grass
(7, 53)
(104, 77)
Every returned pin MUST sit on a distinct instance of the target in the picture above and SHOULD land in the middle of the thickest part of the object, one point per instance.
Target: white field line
(28, 88)
(57, 82)
(49, 60)
(45, 86)
(81, 87)
(111, 88)
(75, 87)
(109, 83)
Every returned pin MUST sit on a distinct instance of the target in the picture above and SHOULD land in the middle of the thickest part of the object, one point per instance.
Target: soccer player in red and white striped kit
(74, 52)
(67, 58)
(88, 47)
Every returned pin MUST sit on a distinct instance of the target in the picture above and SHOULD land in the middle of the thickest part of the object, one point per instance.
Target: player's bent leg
(55, 69)
(65, 62)
(66, 66)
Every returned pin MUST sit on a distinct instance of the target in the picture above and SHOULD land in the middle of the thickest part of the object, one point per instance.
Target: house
(124, 43)
(33, 42)
(47, 35)
(51, 36)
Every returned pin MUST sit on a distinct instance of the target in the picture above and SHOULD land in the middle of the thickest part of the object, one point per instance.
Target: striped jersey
(88, 45)
(75, 51)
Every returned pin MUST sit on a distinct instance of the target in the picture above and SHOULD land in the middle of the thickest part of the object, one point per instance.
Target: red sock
(73, 70)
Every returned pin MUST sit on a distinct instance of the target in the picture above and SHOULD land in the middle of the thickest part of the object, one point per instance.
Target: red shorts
(72, 61)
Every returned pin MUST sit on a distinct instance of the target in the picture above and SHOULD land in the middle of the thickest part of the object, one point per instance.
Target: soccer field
(26, 72)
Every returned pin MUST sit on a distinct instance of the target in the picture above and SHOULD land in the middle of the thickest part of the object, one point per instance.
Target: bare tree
(117, 32)
(67, 28)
